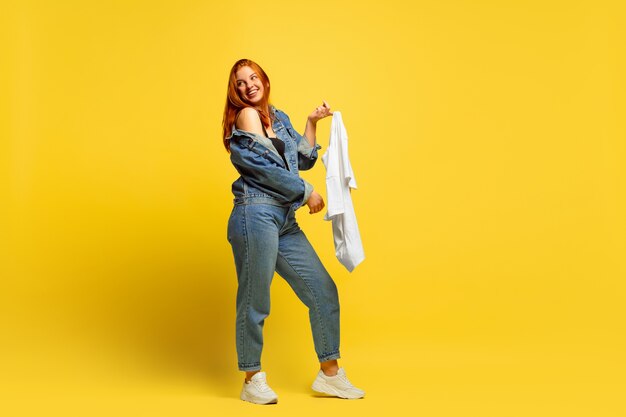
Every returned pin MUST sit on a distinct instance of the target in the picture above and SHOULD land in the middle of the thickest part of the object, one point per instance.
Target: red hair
(235, 102)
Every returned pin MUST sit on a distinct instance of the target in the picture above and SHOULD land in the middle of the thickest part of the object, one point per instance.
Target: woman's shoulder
(246, 113)
(247, 118)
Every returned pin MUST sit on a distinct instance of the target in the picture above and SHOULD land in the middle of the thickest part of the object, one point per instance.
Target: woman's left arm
(311, 122)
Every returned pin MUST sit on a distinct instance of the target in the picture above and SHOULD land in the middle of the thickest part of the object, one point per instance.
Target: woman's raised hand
(320, 112)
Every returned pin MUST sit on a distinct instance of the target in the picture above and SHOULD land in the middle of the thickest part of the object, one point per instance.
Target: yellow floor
(427, 380)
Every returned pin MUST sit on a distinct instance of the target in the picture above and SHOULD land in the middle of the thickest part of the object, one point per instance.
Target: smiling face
(249, 85)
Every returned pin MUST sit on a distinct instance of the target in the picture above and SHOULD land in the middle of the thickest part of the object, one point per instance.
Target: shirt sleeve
(252, 162)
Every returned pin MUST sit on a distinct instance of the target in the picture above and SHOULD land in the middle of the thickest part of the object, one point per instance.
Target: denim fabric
(266, 238)
(264, 178)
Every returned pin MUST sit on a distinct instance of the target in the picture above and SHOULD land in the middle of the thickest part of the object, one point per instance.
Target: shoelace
(344, 379)
(261, 385)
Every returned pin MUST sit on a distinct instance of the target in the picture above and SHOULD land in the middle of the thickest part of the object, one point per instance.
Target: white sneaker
(257, 391)
(337, 385)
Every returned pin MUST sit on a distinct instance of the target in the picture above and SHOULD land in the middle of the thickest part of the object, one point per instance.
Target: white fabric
(339, 181)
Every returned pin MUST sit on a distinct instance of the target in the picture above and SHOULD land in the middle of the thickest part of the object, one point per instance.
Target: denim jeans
(266, 239)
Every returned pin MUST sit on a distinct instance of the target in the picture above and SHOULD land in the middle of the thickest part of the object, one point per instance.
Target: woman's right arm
(256, 168)
(285, 185)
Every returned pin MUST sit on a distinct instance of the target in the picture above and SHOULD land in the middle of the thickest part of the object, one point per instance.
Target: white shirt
(339, 181)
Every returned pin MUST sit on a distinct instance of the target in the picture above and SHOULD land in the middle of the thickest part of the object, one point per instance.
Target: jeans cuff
(329, 356)
(255, 366)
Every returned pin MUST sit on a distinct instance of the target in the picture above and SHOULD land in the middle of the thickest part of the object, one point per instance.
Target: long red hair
(234, 101)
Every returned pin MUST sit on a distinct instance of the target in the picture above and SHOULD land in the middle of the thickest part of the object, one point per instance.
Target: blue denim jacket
(264, 178)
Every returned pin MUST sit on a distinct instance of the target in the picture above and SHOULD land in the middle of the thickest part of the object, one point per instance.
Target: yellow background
(488, 143)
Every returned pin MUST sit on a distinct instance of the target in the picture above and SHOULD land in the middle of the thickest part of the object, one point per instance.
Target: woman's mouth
(252, 93)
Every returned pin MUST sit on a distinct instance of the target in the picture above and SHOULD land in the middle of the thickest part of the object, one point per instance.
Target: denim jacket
(264, 178)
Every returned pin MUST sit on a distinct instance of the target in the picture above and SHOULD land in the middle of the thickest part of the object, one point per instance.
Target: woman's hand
(320, 112)
(315, 202)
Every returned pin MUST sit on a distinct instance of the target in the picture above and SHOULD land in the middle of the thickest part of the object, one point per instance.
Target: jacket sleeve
(253, 164)
(307, 154)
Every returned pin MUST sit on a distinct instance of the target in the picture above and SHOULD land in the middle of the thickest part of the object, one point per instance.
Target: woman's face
(249, 85)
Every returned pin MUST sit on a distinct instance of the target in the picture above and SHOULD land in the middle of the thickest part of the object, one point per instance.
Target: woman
(268, 153)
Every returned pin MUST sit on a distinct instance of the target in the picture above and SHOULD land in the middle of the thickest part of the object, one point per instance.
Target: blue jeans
(266, 239)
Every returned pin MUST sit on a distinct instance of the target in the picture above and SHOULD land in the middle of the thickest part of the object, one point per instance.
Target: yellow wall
(488, 143)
